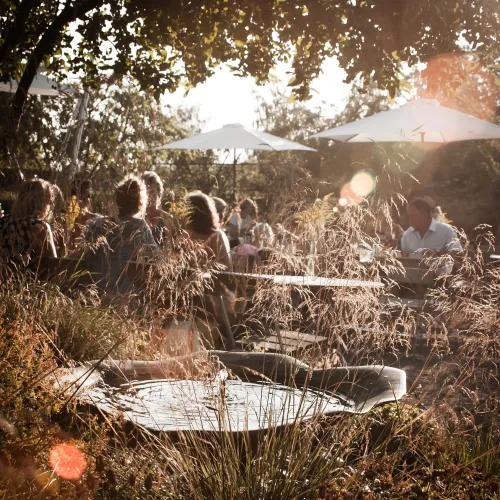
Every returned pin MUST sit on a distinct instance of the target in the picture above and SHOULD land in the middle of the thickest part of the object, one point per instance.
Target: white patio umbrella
(41, 86)
(236, 136)
(421, 120)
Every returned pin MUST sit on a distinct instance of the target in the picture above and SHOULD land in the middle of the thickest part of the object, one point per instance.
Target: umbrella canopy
(421, 120)
(41, 86)
(236, 136)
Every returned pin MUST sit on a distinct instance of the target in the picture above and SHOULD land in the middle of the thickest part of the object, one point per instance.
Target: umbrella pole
(234, 177)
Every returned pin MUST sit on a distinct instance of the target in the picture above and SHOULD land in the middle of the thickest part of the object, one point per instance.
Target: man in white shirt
(426, 236)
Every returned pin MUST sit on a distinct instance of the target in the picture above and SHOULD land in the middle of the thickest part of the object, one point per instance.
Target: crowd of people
(43, 222)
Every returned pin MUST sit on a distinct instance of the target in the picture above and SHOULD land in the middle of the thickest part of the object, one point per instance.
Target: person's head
(221, 207)
(131, 197)
(154, 187)
(34, 199)
(168, 200)
(203, 218)
(81, 188)
(248, 208)
(420, 211)
(58, 202)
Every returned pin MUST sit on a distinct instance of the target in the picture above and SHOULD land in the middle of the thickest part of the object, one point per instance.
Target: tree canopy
(164, 44)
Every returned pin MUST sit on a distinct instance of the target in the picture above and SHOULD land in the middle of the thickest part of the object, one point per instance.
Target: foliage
(164, 45)
(122, 127)
(42, 130)
(463, 178)
(334, 163)
(78, 328)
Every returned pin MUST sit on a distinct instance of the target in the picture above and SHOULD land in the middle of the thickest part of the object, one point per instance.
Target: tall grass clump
(442, 441)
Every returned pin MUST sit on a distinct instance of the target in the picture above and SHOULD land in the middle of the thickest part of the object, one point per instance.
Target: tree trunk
(44, 48)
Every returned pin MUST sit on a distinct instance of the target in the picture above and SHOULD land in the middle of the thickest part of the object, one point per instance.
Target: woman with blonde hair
(221, 207)
(203, 226)
(25, 233)
(242, 221)
(127, 238)
(160, 222)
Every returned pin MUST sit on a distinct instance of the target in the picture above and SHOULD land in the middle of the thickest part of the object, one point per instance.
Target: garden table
(313, 282)
(289, 341)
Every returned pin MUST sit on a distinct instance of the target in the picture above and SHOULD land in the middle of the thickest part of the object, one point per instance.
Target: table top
(308, 281)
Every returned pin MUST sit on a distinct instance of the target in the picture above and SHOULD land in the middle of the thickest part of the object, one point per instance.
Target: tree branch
(44, 48)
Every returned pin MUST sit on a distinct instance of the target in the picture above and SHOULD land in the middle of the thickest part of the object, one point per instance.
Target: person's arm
(452, 242)
(168, 232)
(217, 244)
(404, 245)
(42, 243)
(233, 226)
(256, 236)
(148, 238)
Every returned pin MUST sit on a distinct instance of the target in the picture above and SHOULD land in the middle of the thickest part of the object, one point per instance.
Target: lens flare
(342, 202)
(363, 183)
(461, 82)
(67, 461)
(350, 197)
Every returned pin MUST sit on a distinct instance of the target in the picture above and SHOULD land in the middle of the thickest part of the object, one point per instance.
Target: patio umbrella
(236, 136)
(421, 120)
(41, 86)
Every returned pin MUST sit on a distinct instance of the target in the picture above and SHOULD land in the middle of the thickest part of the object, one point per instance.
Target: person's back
(115, 243)
(25, 233)
(112, 244)
(203, 226)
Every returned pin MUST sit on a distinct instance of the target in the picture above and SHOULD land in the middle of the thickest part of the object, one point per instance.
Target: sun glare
(363, 183)
(67, 461)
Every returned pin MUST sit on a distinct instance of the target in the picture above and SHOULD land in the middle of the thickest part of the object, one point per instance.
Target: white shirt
(245, 222)
(440, 237)
(265, 233)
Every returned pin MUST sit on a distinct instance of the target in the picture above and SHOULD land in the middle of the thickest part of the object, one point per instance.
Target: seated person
(203, 226)
(263, 235)
(160, 222)
(426, 236)
(114, 243)
(25, 233)
(242, 221)
(221, 207)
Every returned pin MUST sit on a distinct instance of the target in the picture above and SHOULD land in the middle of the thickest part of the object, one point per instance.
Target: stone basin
(245, 392)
